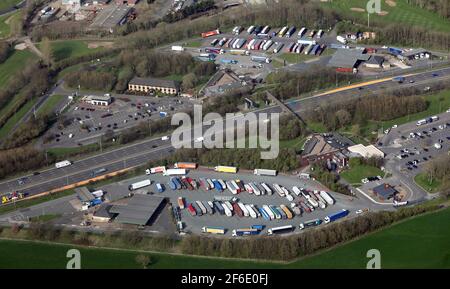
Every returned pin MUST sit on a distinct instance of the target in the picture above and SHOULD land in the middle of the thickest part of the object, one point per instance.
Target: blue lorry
(336, 216)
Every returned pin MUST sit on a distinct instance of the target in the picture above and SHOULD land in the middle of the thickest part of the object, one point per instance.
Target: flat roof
(156, 82)
(97, 97)
(84, 194)
(366, 151)
(110, 16)
(347, 58)
(138, 210)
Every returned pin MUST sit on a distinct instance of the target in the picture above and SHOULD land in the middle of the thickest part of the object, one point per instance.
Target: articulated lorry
(336, 216)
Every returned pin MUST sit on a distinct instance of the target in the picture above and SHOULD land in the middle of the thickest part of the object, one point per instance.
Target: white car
(394, 126)
(199, 139)
(365, 181)
(448, 110)
(165, 138)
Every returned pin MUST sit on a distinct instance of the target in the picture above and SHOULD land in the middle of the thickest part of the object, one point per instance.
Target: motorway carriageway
(140, 153)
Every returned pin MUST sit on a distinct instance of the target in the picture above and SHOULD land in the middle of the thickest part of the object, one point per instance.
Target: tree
(189, 81)
(47, 53)
(143, 260)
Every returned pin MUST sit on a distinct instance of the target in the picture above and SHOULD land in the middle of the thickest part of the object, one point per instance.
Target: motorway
(141, 152)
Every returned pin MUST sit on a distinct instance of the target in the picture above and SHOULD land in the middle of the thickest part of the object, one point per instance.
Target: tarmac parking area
(88, 122)
(194, 224)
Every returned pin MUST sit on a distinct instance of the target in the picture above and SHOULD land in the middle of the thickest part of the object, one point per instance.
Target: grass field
(194, 44)
(4, 4)
(438, 103)
(357, 172)
(14, 63)
(401, 13)
(6, 129)
(299, 57)
(49, 105)
(423, 181)
(62, 152)
(71, 48)
(421, 242)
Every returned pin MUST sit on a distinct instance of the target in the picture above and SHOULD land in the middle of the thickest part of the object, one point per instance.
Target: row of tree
(96, 80)
(361, 110)
(439, 169)
(298, 245)
(441, 7)
(241, 158)
(5, 50)
(293, 84)
(20, 159)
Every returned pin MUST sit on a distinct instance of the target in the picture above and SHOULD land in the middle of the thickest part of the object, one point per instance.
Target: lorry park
(220, 201)
(258, 50)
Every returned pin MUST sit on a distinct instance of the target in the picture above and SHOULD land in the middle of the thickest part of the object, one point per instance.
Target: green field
(402, 12)
(438, 103)
(49, 105)
(423, 181)
(357, 172)
(14, 63)
(6, 129)
(299, 57)
(71, 48)
(4, 4)
(421, 242)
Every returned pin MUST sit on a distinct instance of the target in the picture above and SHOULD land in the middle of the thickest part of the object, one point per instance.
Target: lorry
(306, 42)
(278, 48)
(346, 70)
(239, 52)
(192, 210)
(210, 33)
(327, 198)
(218, 207)
(185, 165)
(237, 210)
(214, 230)
(269, 212)
(227, 210)
(336, 216)
(395, 51)
(225, 169)
(250, 210)
(181, 202)
(267, 189)
(302, 32)
(244, 232)
(63, 164)
(399, 79)
(310, 223)
(174, 172)
(280, 230)
(290, 32)
(286, 211)
(155, 170)
(202, 207)
(228, 61)
(177, 48)
(341, 39)
(159, 187)
(98, 193)
(260, 59)
(139, 185)
(214, 50)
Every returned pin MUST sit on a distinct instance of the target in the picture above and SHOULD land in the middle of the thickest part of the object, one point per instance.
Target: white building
(97, 100)
(71, 2)
(366, 151)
